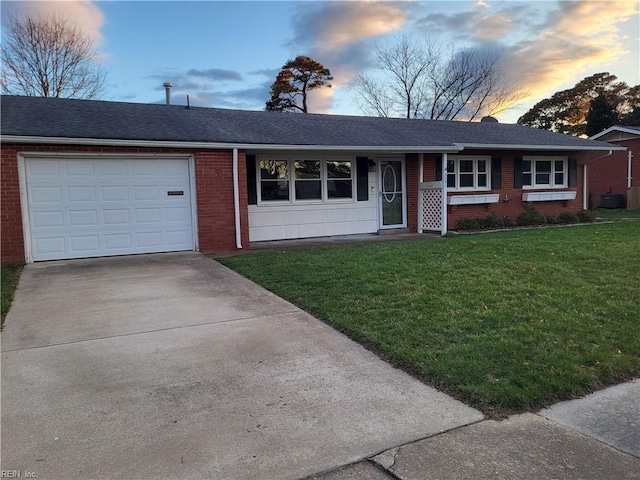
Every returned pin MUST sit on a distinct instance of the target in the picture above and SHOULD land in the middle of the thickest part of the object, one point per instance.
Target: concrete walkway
(593, 438)
(173, 366)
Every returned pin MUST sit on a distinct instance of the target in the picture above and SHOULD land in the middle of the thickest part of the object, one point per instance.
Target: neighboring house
(90, 178)
(610, 177)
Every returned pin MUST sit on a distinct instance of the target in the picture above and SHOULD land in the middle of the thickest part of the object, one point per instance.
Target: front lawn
(9, 276)
(506, 322)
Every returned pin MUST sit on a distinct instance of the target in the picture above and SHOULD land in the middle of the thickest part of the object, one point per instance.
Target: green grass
(10, 274)
(506, 322)
(617, 213)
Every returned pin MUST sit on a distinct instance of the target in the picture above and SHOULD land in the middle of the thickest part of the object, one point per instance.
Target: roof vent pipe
(488, 119)
(167, 87)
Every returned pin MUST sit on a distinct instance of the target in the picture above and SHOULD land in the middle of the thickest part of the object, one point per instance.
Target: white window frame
(291, 159)
(474, 158)
(552, 175)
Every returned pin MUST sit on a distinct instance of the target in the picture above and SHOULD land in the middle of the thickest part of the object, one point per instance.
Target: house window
(544, 172)
(466, 173)
(308, 180)
(292, 180)
(274, 180)
(339, 179)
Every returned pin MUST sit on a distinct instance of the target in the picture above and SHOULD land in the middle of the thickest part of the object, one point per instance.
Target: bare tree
(49, 57)
(426, 81)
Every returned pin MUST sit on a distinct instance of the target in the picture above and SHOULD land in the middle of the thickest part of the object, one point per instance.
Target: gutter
(224, 145)
(576, 148)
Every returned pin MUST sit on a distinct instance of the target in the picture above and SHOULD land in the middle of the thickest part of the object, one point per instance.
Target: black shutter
(362, 178)
(252, 187)
(496, 173)
(517, 172)
(573, 172)
(438, 169)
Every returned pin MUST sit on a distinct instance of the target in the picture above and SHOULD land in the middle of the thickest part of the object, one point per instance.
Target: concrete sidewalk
(593, 438)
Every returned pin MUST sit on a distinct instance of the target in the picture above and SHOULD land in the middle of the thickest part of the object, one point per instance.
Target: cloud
(339, 35)
(576, 39)
(85, 15)
(482, 23)
(216, 74)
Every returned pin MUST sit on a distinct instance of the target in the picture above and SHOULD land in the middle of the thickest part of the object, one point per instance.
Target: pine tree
(294, 82)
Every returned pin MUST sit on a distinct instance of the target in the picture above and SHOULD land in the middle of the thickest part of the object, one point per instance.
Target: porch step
(393, 231)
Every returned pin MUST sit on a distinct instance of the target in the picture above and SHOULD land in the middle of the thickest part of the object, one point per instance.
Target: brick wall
(214, 194)
(510, 203)
(609, 174)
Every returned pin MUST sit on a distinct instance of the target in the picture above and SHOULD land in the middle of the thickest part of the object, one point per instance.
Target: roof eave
(568, 148)
(615, 128)
(223, 145)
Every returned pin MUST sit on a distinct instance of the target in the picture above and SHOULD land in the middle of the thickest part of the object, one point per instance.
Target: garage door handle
(173, 193)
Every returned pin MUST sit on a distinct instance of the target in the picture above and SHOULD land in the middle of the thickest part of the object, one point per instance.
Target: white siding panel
(90, 207)
(275, 222)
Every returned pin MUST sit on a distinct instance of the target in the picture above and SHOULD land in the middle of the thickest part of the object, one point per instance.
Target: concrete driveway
(173, 366)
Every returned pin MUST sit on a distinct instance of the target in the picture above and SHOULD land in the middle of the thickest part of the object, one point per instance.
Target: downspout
(420, 200)
(444, 194)
(629, 177)
(585, 204)
(236, 199)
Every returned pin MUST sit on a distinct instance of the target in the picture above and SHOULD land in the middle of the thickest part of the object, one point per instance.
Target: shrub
(489, 222)
(567, 218)
(531, 216)
(586, 216)
(551, 220)
(507, 222)
(467, 223)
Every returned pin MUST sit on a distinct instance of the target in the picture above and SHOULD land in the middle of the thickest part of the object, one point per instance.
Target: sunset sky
(226, 54)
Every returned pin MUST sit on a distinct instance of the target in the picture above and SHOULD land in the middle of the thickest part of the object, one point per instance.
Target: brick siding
(214, 195)
(510, 203)
(609, 174)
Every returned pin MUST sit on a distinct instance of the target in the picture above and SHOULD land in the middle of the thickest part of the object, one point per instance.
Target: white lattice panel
(431, 208)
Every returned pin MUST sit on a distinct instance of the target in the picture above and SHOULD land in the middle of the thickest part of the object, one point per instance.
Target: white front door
(392, 197)
(95, 207)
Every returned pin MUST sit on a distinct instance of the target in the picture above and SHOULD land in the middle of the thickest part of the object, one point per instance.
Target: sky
(226, 54)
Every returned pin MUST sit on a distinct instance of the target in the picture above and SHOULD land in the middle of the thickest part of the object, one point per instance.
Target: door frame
(403, 169)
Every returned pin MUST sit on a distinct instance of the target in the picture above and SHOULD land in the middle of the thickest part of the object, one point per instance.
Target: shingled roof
(51, 118)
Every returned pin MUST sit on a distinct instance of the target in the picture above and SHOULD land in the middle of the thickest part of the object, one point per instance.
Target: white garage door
(100, 207)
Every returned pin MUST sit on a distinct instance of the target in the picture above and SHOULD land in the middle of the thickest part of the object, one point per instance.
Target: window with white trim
(468, 173)
(298, 179)
(545, 172)
(274, 180)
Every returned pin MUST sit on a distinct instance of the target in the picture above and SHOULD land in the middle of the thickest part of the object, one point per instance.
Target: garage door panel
(48, 219)
(118, 241)
(81, 168)
(49, 246)
(147, 215)
(149, 239)
(79, 194)
(114, 194)
(114, 216)
(146, 193)
(38, 169)
(85, 243)
(45, 195)
(83, 218)
(99, 207)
